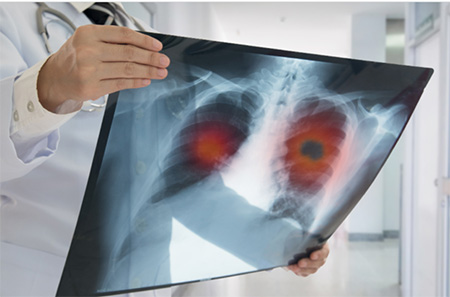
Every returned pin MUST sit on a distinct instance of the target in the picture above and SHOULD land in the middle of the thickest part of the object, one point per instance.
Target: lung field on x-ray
(211, 135)
(312, 143)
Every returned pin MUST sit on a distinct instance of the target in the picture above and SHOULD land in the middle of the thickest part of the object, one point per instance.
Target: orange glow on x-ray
(313, 145)
(212, 144)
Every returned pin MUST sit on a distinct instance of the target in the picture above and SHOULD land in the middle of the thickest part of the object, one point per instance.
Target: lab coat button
(16, 116)
(30, 106)
(141, 168)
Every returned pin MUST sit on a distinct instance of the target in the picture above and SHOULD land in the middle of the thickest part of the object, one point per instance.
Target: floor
(352, 269)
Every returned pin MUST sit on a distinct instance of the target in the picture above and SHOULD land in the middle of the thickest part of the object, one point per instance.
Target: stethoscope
(42, 30)
(44, 8)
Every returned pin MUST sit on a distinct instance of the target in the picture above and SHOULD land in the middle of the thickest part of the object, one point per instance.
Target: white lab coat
(41, 196)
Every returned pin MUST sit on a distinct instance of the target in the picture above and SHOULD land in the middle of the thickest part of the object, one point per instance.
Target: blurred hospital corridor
(353, 269)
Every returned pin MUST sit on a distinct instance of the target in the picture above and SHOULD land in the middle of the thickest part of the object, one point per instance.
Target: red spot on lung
(312, 146)
(212, 143)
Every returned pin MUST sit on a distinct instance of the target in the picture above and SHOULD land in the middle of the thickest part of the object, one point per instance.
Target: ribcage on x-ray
(312, 145)
(211, 135)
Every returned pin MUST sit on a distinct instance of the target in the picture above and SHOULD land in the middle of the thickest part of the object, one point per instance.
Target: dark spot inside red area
(312, 149)
(312, 146)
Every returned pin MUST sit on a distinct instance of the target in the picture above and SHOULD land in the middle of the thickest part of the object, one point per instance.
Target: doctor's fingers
(305, 267)
(118, 35)
(306, 271)
(109, 86)
(131, 53)
(308, 263)
(116, 70)
(321, 254)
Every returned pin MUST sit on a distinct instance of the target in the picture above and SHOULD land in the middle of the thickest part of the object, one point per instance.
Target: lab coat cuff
(30, 119)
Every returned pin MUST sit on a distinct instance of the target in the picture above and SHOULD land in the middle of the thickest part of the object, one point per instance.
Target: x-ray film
(243, 159)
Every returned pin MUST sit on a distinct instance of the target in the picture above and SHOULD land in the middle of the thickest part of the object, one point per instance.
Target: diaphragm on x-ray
(242, 159)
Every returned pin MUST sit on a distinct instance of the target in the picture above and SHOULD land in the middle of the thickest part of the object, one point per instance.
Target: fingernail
(161, 72)
(146, 82)
(164, 61)
(157, 44)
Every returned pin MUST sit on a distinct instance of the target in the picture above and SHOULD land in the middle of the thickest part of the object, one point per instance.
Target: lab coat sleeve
(28, 133)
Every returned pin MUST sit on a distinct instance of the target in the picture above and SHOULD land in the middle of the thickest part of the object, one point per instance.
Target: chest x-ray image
(243, 159)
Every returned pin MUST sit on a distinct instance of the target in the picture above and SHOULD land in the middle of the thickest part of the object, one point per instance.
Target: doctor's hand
(98, 60)
(310, 265)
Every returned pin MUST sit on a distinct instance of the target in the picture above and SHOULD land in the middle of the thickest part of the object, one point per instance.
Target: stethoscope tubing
(44, 8)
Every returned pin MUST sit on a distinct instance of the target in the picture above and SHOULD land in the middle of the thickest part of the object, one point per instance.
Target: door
(425, 216)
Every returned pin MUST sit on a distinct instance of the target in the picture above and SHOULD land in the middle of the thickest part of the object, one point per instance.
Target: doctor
(50, 120)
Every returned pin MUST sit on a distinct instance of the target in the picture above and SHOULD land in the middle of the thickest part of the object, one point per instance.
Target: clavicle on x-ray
(242, 159)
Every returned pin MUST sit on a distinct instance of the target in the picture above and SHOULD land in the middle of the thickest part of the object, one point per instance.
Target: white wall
(187, 19)
(368, 40)
(196, 20)
(395, 46)
(289, 26)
